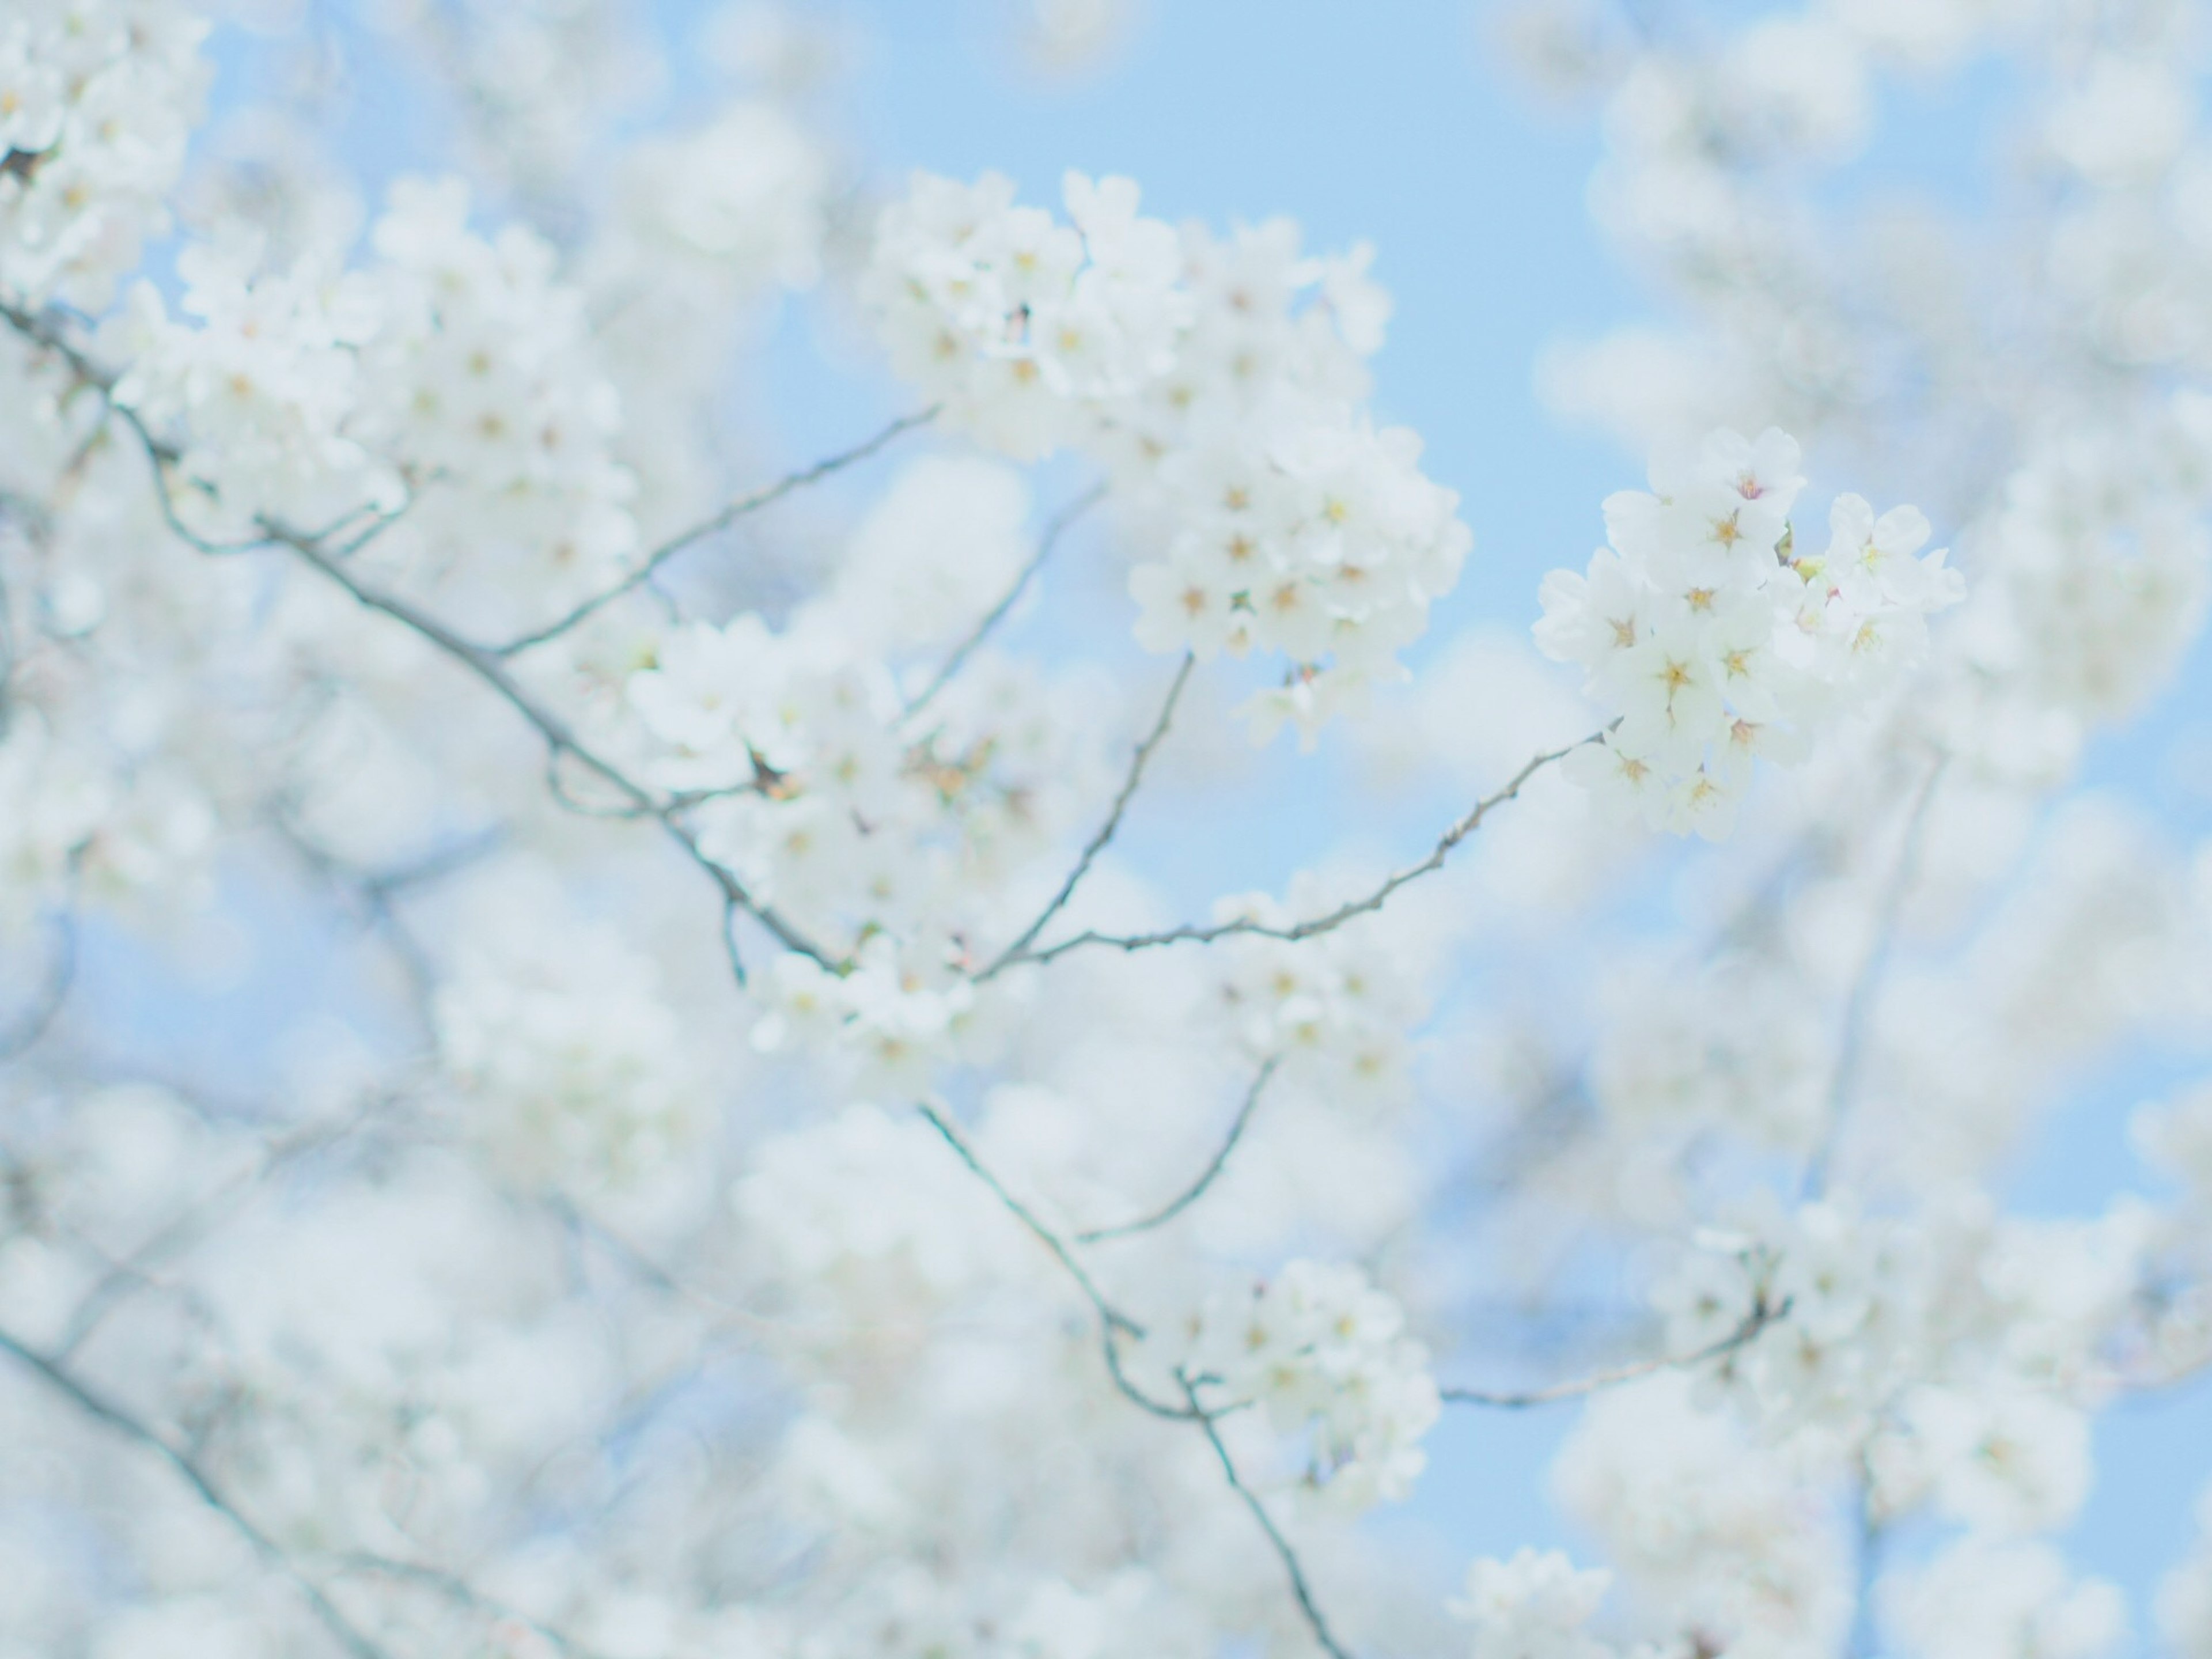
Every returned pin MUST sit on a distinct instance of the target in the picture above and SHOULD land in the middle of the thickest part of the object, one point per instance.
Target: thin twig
(1288, 1557)
(1198, 933)
(1859, 1002)
(347, 1635)
(458, 1590)
(1017, 950)
(1107, 1312)
(719, 521)
(1864, 1641)
(54, 986)
(1113, 1323)
(560, 740)
(1053, 532)
(1196, 1190)
(483, 661)
(196, 1222)
(1761, 1315)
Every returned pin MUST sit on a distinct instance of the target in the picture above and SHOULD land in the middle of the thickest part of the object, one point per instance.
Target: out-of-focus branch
(375, 891)
(1197, 1190)
(1859, 1002)
(1061, 521)
(196, 1222)
(1762, 1314)
(1198, 933)
(55, 982)
(461, 1593)
(1113, 1322)
(484, 662)
(728, 515)
(342, 1629)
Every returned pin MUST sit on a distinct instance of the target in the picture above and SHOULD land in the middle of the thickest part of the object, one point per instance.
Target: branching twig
(1112, 1317)
(342, 1629)
(1851, 1037)
(373, 892)
(1762, 1314)
(560, 740)
(1097, 844)
(54, 986)
(719, 521)
(459, 1591)
(1288, 1557)
(484, 662)
(1196, 1190)
(1198, 933)
(1113, 1322)
(1053, 532)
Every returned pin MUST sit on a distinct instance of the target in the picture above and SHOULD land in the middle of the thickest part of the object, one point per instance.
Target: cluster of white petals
(1326, 1354)
(1717, 641)
(1534, 1606)
(625, 1035)
(1221, 382)
(97, 104)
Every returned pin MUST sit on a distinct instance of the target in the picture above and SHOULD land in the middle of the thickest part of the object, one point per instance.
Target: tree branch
(718, 521)
(1197, 934)
(1299, 1589)
(1859, 1002)
(1015, 951)
(1196, 1190)
(1061, 521)
(459, 1591)
(1112, 1321)
(343, 1630)
(1761, 1315)
(484, 662)
(54, 986)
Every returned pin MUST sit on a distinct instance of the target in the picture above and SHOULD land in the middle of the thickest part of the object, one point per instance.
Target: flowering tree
(769, 1170)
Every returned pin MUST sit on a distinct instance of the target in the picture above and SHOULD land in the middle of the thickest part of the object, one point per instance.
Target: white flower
(1533, 1606)
(1716, 640)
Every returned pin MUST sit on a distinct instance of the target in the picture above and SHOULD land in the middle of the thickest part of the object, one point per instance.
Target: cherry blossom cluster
(566, 1053)
(1020, 324)
(607, 1042)
(1716, 640)
(97, 104)
(453, 378)
(1336, 1010)
(1221, 394)
(1321, 542)
(260, 385)
(481, 385)
(1325, 1353)
(1534, 1606)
